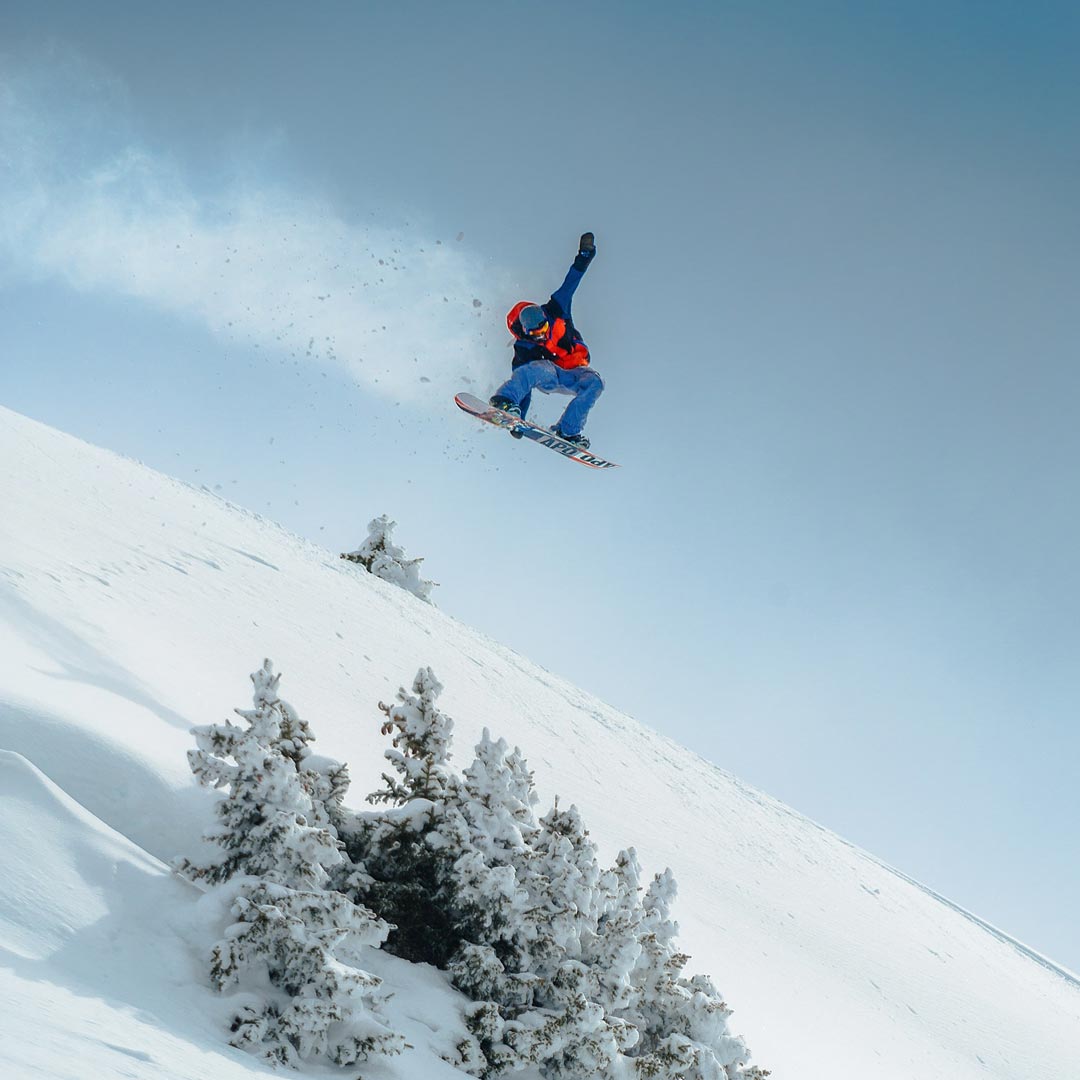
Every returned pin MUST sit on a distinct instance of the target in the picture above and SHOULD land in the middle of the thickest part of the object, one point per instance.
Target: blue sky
(834, 305)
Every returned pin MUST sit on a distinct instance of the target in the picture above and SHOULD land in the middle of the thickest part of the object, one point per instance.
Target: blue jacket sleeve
(559, 305)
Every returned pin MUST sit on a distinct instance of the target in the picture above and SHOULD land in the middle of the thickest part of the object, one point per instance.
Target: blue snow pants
(584, 384)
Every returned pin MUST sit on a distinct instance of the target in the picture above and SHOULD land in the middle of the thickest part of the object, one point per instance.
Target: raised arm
(563, 296)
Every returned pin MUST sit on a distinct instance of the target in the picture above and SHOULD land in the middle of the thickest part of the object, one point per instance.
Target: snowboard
(523, 429)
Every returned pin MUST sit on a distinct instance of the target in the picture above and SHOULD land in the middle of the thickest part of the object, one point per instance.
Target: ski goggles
(533, 321)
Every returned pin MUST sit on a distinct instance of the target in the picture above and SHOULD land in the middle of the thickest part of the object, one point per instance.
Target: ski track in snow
(133, 606)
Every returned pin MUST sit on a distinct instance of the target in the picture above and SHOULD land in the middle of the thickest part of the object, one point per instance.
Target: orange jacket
(563, 344)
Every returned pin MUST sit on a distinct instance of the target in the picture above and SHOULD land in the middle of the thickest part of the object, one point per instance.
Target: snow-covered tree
(572, 970)
(499, 798)
(289, 950)
(612, 954)
(567, 1037)
(265, 819)
(294, 949)
(379, 555)
(565, 860)
(536, 1004)
(421, 735)
(407, 852)
(682, 1022)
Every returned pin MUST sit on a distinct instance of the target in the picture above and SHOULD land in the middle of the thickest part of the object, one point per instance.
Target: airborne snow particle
(476, 303)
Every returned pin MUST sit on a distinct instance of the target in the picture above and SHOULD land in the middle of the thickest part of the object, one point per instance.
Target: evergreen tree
(682, 1022)
(380, 556)
(499, 798)
(567, 1035)
(421, 735)
(318, 1007)
(565, 862)
(572, 970)
(265, 818)
(295, 946)
(407, 852)
(538, 1008)
(613, 953)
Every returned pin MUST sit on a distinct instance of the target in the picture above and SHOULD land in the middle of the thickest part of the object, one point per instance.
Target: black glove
(586, 251)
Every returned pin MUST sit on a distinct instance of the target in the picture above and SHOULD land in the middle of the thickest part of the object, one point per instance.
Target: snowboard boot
(579, 441)
(505, 405)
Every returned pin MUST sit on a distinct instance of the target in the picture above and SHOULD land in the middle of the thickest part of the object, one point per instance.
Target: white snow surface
(133, 607)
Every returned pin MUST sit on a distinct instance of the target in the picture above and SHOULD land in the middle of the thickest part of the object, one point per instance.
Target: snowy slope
(133, 606)
(91, 944)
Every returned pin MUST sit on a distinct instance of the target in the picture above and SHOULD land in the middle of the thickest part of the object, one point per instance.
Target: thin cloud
(404, 315)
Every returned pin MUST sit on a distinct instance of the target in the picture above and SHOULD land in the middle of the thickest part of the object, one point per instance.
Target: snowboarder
(550, 355)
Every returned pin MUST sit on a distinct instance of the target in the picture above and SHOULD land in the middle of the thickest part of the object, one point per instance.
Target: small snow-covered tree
(613, 952)
(421, 734)
(565, 859)
(499, 798)
(536, 1004)
(408, 850)
(682, 1022)
(293, 952)
(318, 1006)
(265, 819)
(588, 1040)
(379, 555)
